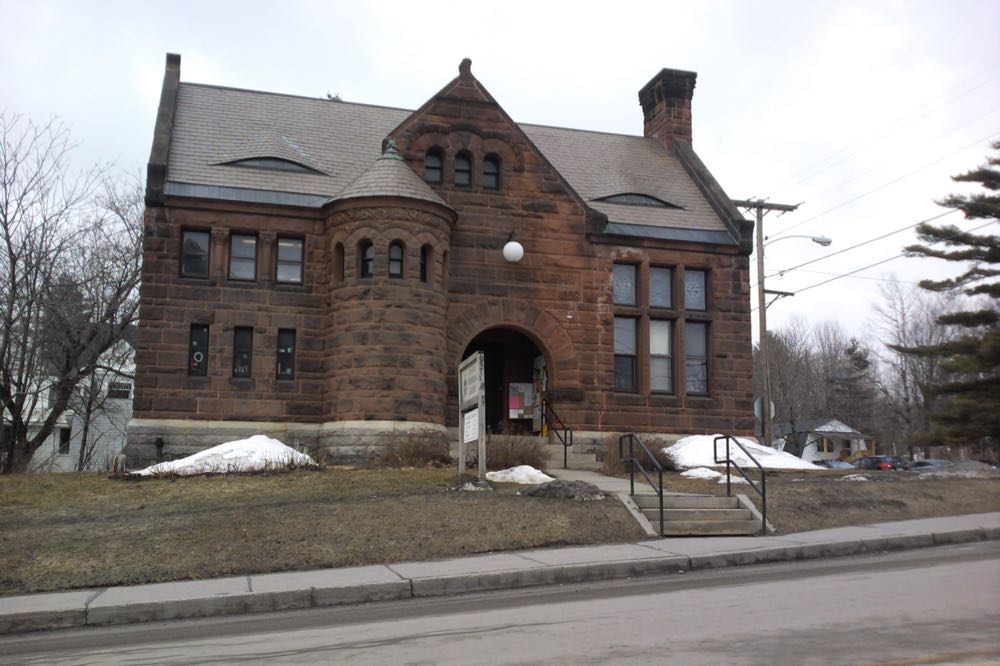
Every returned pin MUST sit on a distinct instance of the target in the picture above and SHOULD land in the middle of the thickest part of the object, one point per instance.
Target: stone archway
(536, 324)
(515, 380)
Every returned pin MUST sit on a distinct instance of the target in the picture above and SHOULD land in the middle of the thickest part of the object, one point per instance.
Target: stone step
(649, 501)
(704, 515)
(710, 528)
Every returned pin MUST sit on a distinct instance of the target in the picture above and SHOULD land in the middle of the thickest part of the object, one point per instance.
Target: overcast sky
(859, 110)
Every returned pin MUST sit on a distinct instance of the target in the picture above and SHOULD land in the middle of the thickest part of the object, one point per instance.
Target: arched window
(396, 259)
(491, 173)
(425, 260)
(338, 262)
(463, 169)
(366, 258)
(433, 169)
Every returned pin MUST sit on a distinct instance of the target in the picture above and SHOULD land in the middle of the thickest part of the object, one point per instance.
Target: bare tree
(905, 318)
(69, 272)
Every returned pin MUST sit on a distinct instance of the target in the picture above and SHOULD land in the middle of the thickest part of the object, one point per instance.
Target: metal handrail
(566, 437)
(761, 489)
(635, 463)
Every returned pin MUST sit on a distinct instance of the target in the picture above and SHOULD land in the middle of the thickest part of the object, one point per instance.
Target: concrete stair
(698, 515)
(579, 456)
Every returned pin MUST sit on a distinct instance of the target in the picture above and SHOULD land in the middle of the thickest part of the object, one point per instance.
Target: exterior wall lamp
(513, 251)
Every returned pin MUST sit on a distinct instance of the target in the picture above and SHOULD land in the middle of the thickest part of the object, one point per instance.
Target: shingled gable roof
(213, 125)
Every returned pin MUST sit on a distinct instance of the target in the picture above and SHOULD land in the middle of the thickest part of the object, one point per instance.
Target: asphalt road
(936, 605)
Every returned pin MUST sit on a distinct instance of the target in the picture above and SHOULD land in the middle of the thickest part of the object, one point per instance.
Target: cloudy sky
(860, 111)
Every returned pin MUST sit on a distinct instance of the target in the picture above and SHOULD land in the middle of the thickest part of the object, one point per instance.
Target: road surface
(936, 605)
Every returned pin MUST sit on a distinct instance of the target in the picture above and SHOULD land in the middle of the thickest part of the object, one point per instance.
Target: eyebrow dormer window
(433, 170)
(463, 169)
(272, 164)
(635, 199)
(491, 173)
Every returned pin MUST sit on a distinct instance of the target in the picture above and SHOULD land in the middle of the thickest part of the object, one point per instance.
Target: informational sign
(472, 410)
(520, 400)
(470, 382)
(471, 423)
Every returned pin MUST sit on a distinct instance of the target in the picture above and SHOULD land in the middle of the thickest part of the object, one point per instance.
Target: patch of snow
(696, 451)
(734, 478)
(256, 453)
(525, 474)
(701, 473)
(854, 477)
(475, 487)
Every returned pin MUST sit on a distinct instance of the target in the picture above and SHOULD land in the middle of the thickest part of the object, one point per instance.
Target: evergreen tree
(969, 410)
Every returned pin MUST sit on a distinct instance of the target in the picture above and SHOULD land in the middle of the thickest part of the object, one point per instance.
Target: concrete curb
(500, 571)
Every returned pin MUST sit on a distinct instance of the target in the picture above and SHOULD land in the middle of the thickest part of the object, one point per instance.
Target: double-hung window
(289, 260)
(194, 253)
(625, 354)
(198, 350)
(696, 357)
(242, 257)
(242, 351)
(286, 354)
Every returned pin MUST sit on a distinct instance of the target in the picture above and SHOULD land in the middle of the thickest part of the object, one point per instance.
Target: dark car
(928, 463)
(879, 462)
(833, 464)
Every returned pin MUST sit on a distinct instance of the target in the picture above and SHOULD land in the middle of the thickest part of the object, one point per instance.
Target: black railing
(562, 433)
(636, 464)
(760, 488)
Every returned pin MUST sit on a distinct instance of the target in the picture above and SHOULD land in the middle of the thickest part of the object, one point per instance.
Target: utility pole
(765, 407)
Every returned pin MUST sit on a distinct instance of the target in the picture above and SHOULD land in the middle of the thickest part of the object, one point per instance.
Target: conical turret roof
(390, 176)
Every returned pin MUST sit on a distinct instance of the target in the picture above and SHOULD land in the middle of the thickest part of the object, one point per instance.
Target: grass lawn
(63, 531)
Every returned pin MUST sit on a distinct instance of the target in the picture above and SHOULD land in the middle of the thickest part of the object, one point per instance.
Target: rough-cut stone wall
(170, 304)
(386, 341)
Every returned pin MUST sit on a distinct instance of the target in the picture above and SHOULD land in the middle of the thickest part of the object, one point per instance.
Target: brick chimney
(666, 106)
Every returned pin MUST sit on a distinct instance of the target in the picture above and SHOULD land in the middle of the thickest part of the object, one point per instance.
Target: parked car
(879, 462)
(928, 463)
(834, 464)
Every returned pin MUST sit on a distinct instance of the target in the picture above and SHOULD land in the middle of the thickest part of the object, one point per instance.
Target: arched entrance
(515, 379)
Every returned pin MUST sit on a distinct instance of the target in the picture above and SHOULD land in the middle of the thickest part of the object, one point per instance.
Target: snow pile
(256, 453)
(524, 474)
(696, 451)
(701, 473)
(854, 477)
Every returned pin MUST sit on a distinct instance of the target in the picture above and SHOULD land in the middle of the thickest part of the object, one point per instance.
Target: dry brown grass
(415, 450)
(74, 530)
(506, 451)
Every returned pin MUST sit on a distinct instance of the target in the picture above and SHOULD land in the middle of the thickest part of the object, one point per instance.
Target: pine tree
(969, 410)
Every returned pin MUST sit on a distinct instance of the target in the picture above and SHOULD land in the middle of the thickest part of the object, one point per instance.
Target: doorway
(516, 377)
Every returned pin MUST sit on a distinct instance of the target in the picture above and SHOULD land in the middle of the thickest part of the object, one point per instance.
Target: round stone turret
(389, 235)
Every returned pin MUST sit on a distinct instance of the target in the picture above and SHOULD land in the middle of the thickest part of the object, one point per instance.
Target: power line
(884, 185)
(862, 243)
(879, 166)
(793, 179)
(877, 263)
(901, 254)
(861, 277)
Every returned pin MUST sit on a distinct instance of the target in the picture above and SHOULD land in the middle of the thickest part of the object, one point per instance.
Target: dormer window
(635, 199)
(433, 169)
(463, 170)
(491, 173)
(272, 164)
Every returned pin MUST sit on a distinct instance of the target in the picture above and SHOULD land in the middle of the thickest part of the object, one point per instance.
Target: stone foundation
(340, 442)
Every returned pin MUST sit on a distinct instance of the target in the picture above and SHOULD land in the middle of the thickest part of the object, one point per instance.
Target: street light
(765, 407)
(820, 240)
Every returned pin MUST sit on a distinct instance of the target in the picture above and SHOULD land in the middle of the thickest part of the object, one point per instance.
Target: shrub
(505, 451)
(419, 449)
(613, 465)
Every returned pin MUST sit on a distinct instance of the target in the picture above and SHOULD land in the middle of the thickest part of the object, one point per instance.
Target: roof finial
(465, 69)
(390, 152)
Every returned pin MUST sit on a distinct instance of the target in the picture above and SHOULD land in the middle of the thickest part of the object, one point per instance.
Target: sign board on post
(472, 410)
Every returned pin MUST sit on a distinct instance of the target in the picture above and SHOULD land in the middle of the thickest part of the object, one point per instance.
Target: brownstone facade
(378, 337)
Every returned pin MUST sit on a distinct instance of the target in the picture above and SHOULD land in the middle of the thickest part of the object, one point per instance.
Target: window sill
(242, 383)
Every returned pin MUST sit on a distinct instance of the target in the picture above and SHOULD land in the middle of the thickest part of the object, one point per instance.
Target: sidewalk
(329, 587)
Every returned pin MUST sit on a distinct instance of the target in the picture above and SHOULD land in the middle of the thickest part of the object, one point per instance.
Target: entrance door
(512, 370)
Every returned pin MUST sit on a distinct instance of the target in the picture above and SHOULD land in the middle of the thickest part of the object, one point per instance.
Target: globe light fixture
(513, 251)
